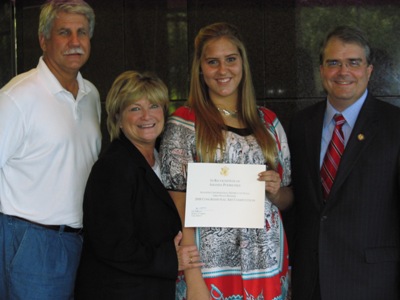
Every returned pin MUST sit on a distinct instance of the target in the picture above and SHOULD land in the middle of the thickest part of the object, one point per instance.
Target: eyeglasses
(351, 64)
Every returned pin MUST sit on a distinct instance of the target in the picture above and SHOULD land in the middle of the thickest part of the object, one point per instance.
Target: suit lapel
(151, 177)
(362, 134)
(312, 146)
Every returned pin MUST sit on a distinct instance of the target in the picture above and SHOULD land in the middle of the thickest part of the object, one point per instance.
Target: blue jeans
(35, 262)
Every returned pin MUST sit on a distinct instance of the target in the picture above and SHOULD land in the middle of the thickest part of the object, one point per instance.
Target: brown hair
(209, 123)
(347, 34)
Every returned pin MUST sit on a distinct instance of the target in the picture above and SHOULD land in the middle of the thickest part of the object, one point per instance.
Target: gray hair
(51, 8)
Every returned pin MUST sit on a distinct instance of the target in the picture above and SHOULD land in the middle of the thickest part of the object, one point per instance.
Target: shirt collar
(350, 114)
(54, 85)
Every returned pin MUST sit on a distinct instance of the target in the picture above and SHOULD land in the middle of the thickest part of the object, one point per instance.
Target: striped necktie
(332, 156)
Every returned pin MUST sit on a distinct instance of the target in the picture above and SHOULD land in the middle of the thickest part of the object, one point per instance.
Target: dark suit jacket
(130, 222)
(353, 240)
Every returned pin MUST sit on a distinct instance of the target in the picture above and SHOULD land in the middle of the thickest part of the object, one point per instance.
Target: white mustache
(74, 51)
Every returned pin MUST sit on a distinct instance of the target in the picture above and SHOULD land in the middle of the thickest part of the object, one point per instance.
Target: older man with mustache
(50, 138)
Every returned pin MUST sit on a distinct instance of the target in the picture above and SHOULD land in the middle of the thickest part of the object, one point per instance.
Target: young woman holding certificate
(221, 123)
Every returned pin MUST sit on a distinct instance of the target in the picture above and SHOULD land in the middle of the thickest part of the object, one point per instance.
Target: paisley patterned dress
(240, 263)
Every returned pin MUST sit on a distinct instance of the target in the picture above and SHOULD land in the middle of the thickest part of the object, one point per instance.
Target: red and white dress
(240, 263)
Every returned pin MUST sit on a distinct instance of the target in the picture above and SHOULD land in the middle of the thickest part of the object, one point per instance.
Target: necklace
(226, 112)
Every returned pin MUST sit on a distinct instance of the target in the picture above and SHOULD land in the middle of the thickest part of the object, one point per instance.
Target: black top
(129, 222)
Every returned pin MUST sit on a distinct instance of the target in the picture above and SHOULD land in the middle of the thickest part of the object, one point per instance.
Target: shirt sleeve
(11, 128)
(177, 149)
(276, 129)
(283, 154)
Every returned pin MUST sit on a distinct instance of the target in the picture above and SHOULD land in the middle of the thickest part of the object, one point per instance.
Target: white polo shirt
(49, 142)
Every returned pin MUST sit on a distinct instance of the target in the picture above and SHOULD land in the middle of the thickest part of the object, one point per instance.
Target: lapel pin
(361, 137)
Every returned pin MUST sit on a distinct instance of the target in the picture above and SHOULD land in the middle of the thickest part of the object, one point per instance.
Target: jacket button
(324, 218)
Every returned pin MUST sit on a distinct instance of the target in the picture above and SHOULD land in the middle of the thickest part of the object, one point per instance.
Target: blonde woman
(222, 123)
(132, 228)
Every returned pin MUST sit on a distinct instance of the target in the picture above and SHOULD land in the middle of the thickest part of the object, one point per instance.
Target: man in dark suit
(347, 242)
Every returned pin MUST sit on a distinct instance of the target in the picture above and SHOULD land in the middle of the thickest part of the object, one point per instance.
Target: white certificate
(224, 195)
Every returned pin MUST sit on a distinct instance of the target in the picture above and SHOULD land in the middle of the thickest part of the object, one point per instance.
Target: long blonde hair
(209, 122)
